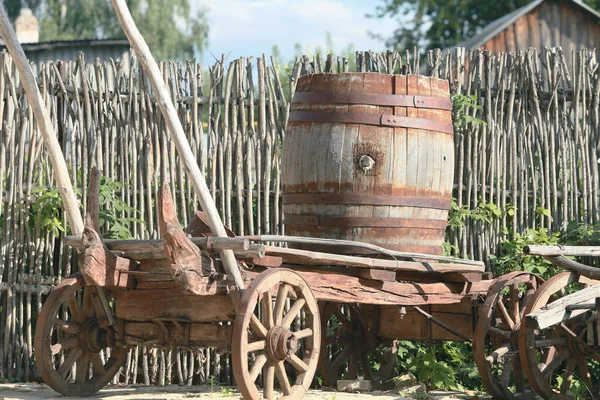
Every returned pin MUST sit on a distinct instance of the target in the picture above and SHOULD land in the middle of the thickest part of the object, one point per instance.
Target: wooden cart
(301, 310)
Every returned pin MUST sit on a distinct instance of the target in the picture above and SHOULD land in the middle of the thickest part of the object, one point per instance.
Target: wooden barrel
(369, 157)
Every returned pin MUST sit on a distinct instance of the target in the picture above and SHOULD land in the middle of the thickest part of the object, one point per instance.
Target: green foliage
(449, 365)
(514, 259)
(48, 205)
(439, 23)
(228, 392)
(112, 209)
(170, 28)
(47, 208)
(462, 105)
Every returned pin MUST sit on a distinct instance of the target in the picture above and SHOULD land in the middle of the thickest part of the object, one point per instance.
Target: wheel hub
(93, 338)
(281, 343)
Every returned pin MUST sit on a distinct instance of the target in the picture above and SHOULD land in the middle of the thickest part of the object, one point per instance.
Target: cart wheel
(268, 339)
(496, 340)
(348, 346)
(552, 357)
(72, 330)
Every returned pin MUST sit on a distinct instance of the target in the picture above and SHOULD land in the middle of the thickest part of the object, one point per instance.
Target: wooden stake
(61, 174)
(177, 134)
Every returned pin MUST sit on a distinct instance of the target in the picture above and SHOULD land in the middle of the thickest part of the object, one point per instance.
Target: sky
(252, 27)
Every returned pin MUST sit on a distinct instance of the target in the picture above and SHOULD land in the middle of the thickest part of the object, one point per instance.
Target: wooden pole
(175, 129)
(61, 174)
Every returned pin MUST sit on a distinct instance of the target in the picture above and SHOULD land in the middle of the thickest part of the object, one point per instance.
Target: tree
(170, 28)
(443, 23)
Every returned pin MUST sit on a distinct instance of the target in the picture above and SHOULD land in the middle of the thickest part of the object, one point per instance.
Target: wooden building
(570, 24)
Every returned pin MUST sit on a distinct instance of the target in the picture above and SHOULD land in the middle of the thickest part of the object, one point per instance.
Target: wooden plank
(145, 305)
(536, 250)
(199, 335)
(376, 274)
(349, 289)
(556, 312)
(304, 257)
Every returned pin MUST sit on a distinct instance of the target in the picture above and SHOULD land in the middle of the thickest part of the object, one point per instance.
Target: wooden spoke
(515, 312)
(282, 295)
(267, 309)
(497, 357)
(518, 374)
(259, 363)
(255, 346)
(58, 332)
(297, 363)
(559, 346)
(82, 369)
(342, 357)
(342, 318)
(282, 378)
(501, 332)
(97, 365)
(258, 327)
(293, 312)
(66, 366)
(556, 361)
(76, 312)
(568, 375)
(304, 333)
(364, 362)
(276, 344)
(584, 372)
(269, 378)
(69, 327)
(64, 345)
(496, 354)
(504, 316)
(353, 366)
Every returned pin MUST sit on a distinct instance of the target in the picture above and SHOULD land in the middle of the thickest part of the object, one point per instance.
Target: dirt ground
(35, 391)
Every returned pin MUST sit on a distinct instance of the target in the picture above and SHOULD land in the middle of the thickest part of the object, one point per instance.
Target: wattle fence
(527, 149)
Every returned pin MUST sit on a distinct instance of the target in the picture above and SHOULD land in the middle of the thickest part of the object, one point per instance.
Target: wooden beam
(556, 312)
(588, 251)
(59, 166)
(188, 265)
(198, 335)
(177, 133)
(305, 257)
(146, 305)
(98, 265)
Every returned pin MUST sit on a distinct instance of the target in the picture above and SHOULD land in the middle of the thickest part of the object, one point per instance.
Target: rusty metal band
(386, 120)
(365, 222)
(375, 99)
(366, 199)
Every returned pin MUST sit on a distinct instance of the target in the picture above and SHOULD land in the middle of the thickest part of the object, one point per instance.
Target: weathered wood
(305, 257)
(583, 251)
(339, 288)
(198, 226)
(197, 335)
(188, 265)
(98, 265)
(177, 134)
(146, 305)
(376, 274)
(154, 248)
(408, 324)
(342, 178)
(556, 312)
(333, 243)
